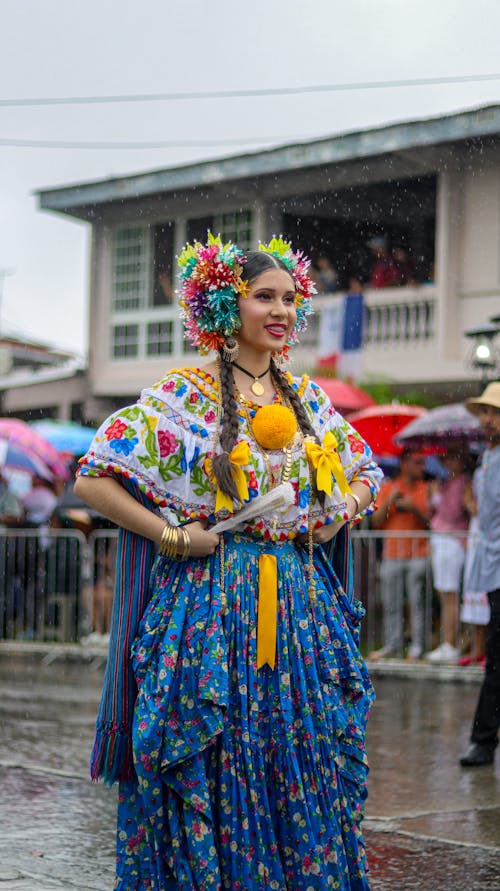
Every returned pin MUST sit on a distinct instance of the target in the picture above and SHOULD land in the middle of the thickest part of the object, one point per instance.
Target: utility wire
(240, 94)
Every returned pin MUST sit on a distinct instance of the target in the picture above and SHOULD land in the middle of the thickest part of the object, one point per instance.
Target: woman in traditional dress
(235, 699)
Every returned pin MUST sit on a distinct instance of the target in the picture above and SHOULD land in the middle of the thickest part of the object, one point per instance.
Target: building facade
(429, 186)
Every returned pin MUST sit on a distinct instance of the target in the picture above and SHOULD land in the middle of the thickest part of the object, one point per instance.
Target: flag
(341, 335)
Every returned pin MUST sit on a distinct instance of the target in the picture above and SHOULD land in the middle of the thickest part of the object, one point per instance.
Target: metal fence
(57, 585)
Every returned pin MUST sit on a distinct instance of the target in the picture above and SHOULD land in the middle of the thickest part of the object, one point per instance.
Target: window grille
(236, 226)
(131, 251)
(125, 341)
(160, 338)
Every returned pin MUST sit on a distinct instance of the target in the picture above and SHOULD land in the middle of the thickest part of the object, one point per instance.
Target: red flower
(357, 445)
(167, 442)
(116, 430)
(210, 416)
(193, 398)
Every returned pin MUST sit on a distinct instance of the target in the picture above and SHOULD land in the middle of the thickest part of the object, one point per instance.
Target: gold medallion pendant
(257, 388)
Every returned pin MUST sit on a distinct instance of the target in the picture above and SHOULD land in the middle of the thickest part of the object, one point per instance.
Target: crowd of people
(386, 265)
(44, 588)
(441, 510)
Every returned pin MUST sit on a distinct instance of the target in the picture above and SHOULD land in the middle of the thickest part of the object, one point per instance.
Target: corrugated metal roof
(78, 198)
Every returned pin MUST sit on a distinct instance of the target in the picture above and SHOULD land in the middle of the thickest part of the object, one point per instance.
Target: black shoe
(477, 755)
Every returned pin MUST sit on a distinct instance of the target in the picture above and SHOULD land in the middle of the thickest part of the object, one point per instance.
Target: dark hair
(256, 263)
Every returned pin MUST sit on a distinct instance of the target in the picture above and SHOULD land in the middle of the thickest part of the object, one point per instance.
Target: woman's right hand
(201, 542)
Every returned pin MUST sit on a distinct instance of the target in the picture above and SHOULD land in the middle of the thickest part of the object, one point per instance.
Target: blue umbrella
(65, 436)
(17, 456)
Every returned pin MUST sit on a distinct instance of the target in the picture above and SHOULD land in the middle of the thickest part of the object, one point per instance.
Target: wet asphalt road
(430, 826)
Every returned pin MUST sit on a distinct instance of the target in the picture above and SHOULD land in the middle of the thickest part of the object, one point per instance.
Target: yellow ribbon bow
(267, 607)
(238, 457)
(327, 464)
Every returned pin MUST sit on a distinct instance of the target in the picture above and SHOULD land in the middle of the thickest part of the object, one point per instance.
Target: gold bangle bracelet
(186, 543)
(357, 499)
(169, 541)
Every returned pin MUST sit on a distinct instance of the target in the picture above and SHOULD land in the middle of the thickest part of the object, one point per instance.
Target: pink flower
(167, 442)
(116, 430)
(210, 416)
(168, 386)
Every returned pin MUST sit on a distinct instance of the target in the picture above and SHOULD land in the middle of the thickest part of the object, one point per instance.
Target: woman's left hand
(322, 535)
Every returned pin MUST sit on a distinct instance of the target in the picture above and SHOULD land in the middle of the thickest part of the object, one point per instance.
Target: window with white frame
(131, 253)
(159, 338)
(125, 341)
(236, 226)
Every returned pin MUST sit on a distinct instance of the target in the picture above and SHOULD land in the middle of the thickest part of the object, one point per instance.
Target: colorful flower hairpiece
(211, 283)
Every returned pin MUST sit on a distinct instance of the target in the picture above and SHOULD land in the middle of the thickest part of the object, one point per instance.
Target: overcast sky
(52, 48)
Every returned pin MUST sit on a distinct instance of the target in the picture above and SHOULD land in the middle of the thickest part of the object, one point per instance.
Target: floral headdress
(212, 281)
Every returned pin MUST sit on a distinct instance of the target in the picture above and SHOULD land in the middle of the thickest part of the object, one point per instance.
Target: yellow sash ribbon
(267, 608)
(238, 458)
(327, 464)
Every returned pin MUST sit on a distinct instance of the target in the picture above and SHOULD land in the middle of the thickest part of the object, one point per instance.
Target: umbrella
(21, 434)
(344, 396)
(378, 424)
(65, 436)
(18, 456)
(441, 427)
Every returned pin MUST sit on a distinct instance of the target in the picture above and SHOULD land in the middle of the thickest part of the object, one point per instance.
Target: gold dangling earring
(230, 349)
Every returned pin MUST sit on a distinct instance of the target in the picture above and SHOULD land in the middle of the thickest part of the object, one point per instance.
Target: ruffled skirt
(247, 779)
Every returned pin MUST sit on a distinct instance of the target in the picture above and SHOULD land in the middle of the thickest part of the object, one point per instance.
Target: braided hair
(256, 263)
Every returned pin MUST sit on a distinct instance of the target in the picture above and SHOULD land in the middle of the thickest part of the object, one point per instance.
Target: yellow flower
(274, 426)
(242, 285)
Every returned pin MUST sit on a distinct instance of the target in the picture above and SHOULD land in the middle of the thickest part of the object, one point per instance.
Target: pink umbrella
(20, 433)
(344, 396)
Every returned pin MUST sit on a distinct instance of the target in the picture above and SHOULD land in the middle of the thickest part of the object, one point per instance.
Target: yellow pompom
(274, 426)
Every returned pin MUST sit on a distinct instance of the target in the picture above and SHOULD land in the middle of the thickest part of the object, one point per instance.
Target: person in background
(242, 765)
(403, 506)
(385, 272)
(475, 609)
(484, 575)
(39, 503)
(11, 508)
(11, 580)
(449, 524)
(324, 275)
(405, 265)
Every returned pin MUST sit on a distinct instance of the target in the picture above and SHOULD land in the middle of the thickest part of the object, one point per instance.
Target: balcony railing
(392, 316)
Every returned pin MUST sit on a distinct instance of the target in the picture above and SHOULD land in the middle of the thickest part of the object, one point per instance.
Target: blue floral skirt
(247, 779)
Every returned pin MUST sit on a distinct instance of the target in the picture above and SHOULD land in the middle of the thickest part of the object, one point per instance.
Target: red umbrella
(380, 423)
(344, 396)
(21, 434)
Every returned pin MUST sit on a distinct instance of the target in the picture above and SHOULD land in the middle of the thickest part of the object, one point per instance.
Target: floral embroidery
(167, 442)
(211, 730)
(115, 430)
(169, 432)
